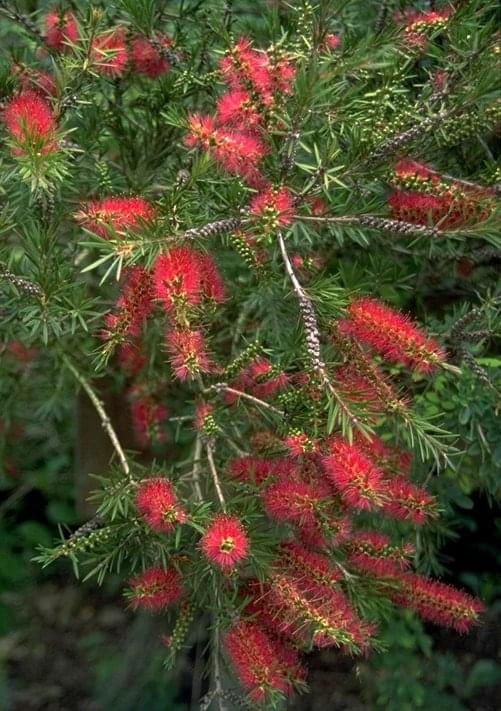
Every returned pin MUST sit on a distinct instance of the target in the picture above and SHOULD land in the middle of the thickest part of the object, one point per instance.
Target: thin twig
(105, 420)
(218, 687)
(195, 472)
(26, 23)
(312, 333)
(16, 495)
(375, 222)
(215, 476)
(232, 445)
(319, 218)
(307, 312)
(223, 387)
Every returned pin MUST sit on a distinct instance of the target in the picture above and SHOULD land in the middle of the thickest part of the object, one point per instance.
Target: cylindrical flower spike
(391, 334)
(115, 215)
(316, 567)
(274, 207)
(133, 306)
(256, 470)
(31, 123)
(109, 53)
(407, 501)
(262, 664)
(225, 542)
(437, 602)
(293, 501)
(372, 552)
(177, 278)
(157, 503)
(212, 284)
(235, 108)
(146, 59)
(148, 418)
(235, 151)
(187, 353)
(61, 31)
(383, 455)
(155, 589)
(325, 612)
(359, 482)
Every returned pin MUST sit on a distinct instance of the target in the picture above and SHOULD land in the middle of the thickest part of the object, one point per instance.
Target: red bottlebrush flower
(225, 542)
(282, 74)
(20, 352)
(239, 153)
(133, 306)
(332, 42)
(391, 334)
(300, 561)
(292, 501)
(411, 173)
(260, 379)
(274, 206)
(236, 152)
(203, 131)
(299, 444)
(439, 79)
(36, 80)
(204, 419)
(130, 358)
(437, 602)
(155, 589)
(333, 531)
(267, 608)
(255, 470)
(422, 209)
(265, 380)
(372, 552)
(418, 25)
(61, 31)
(416, 21)
(383, 455)
(408, 502)
(355, 386)
(453, 207)
(211, 283)
(177, 277)
(302, 607)
(115, 215)
(187, 353)
(147, 416)
(146, 59)
(262, 664)
(31, 123)
(157, 503)
(109, 53)
(245, 67)
(359, 482)
(235, 108)
(304, 265)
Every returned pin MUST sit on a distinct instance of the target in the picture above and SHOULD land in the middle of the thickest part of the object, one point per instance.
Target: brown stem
(215, 477)
(105, 420)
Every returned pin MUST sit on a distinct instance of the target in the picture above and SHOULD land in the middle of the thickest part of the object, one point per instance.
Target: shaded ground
(80, 650)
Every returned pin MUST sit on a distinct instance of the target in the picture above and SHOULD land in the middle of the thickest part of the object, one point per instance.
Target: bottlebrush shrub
(245, 226)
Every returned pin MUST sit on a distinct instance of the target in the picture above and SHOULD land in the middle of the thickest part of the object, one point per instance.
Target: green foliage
(333, 141)
(412, 675)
